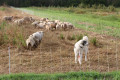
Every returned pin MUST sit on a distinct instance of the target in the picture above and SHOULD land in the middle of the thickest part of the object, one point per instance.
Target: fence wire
(54, 60)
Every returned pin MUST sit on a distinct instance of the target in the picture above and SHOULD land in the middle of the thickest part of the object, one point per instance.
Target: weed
(79, 37)
(71, 37)
(111, 8)
(62, 36)
(2, 8)
(94, 41)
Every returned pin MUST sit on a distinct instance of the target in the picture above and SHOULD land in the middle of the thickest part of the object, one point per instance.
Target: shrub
(82, 5)
(62, 36)
(101, 6)
(94, 6)
(94, 41)
(78, 37)
(71, 9)
(111, 8)
(88, 6)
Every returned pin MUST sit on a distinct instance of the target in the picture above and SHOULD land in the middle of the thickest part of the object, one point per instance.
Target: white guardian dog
(79, 47)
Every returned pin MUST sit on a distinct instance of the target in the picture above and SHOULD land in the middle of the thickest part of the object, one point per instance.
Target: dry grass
(52, 50)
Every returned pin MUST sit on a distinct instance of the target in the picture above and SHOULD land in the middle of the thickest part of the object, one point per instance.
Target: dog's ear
(84, 42)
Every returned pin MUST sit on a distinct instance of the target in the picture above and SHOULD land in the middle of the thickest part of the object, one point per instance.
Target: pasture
(55, 53)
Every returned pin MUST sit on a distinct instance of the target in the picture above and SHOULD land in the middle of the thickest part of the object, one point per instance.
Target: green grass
(109, 24)
(64, 76)
(2, 8)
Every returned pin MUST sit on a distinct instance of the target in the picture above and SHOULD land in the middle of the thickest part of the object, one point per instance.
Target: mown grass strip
(64, 76)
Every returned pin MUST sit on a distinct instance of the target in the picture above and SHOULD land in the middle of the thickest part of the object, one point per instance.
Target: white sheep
(35, 23)
(69, 25)
(41, 25)
(7, 18)
(51, 25)
(19, 21)
(44, 19)
(38, 36)
(30, 42)
(79, 47)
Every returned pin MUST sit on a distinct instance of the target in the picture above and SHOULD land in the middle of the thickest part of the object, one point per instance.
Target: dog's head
(84, 42)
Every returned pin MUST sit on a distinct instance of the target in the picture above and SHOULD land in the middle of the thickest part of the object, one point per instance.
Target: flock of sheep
(35, 39)
(43, 23)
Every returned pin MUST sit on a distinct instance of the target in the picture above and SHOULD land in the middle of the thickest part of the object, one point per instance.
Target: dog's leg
(80, 59)
(86, 51)
(76, 54)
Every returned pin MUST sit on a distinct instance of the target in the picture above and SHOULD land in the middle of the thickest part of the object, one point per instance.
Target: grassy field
(64, 76)
(103, 22)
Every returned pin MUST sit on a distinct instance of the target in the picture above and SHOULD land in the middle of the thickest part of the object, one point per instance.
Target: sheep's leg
(86, 51)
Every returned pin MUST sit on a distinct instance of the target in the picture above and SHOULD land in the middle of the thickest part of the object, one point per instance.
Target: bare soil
(56, 55)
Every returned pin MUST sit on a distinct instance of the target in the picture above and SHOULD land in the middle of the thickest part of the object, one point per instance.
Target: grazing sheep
(79, 47)
(44, 19)
(69, 25)
(35, 23)
(41, 25)
(30, 42)
(56, 21)
(48, 27)
(7, 18)
(38, 37)
(58, 27)
(51, 25)
(19, 21)
(64, 26)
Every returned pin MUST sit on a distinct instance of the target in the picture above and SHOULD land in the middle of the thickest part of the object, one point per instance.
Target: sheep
(19, 21)
(30, 42)
(56, 21)
(58, 27)
(35, 23)
(64, 26)
(69, 25)
(79, 47)
(51, 25)
(7, 18)
(38, 37)
(44, 19)
(48, 27)
(41, 25)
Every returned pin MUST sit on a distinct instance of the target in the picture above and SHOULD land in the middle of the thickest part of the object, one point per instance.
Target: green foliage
(71, 37)
(94, 41)
(2, 25)
(64, 76)
(71, 9)
(61, 3)
(79, 37)
(101, 6)
(94, 6)
(82, 5)
(62, 36)
(2, 8)
(111, 8)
